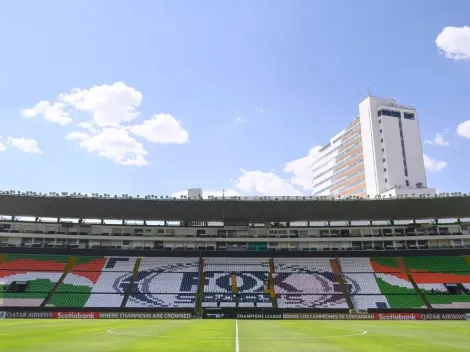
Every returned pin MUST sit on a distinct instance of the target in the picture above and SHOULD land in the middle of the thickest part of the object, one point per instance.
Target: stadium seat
(355, 265)
(311, 301)
(152, 300)
(449, 301)
(250, 275)
(296, 265)
(437, 264)
(361, 283)
(32, 262)
(369, 301)
(166, 264)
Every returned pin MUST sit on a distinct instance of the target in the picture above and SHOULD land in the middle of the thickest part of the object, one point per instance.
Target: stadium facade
(379, 153)
(233, 258)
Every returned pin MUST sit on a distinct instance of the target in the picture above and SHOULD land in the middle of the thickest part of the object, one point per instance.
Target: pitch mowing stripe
(237, 340)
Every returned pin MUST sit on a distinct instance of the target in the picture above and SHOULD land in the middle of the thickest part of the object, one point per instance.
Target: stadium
(303, 273)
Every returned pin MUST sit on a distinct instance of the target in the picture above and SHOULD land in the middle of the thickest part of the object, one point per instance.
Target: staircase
(200, 289)
(404, 270)
(135, 273)
(3, 258)
(271, 283)
(234, 283)
(339, 276)
(68, 268)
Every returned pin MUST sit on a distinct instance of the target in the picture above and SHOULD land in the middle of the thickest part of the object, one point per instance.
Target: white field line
(237, 340)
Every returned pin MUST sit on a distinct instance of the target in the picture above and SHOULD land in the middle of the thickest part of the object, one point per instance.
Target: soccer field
(232, 335)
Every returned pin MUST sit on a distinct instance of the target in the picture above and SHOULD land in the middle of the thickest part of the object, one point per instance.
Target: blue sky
(155, 97)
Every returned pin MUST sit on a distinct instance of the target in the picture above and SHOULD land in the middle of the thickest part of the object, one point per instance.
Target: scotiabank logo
(75, 315)
(397, 316)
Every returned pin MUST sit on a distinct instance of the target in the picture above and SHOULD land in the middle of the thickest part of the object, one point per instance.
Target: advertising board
(75, 315)
(397, 316)
(443, 316)
(227, 315)
(137, 315)
(420, 316)
(28, 315)
(304, 316)
(94, 315)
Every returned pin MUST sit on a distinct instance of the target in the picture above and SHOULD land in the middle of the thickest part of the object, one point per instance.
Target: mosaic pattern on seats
(310, 282)
(247, 282)
(163, 264)
(290, 265)
(166, 282)
(155, 300)
(235, 265)
(32, 262)
(311, 301)
(441, 264)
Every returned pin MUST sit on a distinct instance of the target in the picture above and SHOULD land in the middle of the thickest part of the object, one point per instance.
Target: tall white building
(379, 153)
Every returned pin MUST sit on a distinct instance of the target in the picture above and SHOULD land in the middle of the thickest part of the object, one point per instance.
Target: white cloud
(454, 42)
(51, 112)
(115, 144)
(302, 169)
(88, 126)
(162, 128)
(266, 183)
(438, 140)
(258, 109)
(26, 145)
(239, 120)
(269, 183)
(463, 129)
(433, 165)
(77, 136)
(2, 146)
(109, 105)
(111, 108)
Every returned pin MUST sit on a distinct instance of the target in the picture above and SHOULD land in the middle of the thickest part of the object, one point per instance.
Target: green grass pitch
(221, 336)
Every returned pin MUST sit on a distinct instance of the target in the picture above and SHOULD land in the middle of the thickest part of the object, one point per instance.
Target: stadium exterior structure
(324, 231)
(224, 225)
(261, 210)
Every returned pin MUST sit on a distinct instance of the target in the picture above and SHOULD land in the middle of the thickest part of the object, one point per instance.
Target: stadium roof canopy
(235, 210)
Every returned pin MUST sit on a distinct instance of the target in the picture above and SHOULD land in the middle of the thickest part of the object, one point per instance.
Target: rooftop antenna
(368, 92)
(223, 194)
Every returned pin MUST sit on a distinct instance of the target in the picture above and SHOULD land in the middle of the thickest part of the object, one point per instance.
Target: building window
(380, 121)
(406, 172)
(381, 140)
(385, 169)
(380, 130)
(386, 180)
(392, 113)
(409, 115)
(407, 183)
(383, 149)
(383, 159)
